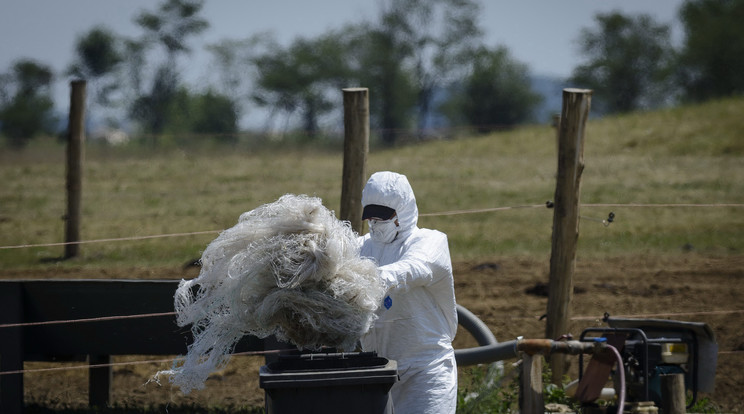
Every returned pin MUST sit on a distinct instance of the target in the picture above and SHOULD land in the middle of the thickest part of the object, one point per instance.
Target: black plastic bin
(329, 383)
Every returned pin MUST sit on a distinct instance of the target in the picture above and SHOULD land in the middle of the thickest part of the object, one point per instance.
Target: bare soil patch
(503, 292)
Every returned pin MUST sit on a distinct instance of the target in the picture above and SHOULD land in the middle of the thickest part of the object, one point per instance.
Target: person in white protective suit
(417, 320)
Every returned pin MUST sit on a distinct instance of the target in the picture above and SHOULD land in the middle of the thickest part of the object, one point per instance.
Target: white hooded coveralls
(417, 320)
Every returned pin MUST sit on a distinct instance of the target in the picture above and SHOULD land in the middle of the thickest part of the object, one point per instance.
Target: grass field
(687, 155)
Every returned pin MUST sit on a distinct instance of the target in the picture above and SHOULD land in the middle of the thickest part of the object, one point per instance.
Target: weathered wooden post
(531, 384)
(11, 349)
(75, 145)
(575, 111)
(100, 378)
(356, 147)
(673, 394)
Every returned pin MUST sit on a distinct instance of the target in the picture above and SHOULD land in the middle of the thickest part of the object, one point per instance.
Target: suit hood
(393, 190)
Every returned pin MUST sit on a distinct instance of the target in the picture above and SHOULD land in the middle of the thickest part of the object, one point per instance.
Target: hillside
(687, 155)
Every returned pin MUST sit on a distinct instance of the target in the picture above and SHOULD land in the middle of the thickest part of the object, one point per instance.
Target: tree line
(424, 60)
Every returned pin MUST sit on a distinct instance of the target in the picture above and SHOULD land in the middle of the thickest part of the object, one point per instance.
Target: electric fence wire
(436, 214)
(275, 351)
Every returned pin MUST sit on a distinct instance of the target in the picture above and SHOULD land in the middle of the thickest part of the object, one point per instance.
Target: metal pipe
(487, 354)
(511, 349)
(491, 350)
(547, 346)
(475, 326)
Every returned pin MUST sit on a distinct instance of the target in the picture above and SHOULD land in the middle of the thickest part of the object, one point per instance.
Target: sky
(539, 33)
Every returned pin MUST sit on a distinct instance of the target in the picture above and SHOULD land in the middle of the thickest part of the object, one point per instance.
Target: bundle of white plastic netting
(289, 269)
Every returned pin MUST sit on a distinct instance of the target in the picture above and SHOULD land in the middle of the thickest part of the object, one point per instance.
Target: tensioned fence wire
(436, 214)
(84, 320)
(275, 351)
(267, 352)
(115, 239)
(642, 205)
(160, 314)
(127, 363)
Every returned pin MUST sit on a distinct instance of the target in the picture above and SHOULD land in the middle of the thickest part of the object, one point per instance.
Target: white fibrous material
(289, 269)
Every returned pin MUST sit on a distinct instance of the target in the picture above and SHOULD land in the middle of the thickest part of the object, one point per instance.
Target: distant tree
(376, 55)
(418, 47)
(446, 38)
(26, 106)
(170, 27)
(174, 21)
(209, 115)
(629, 61)
(496, 93)
(134, 65)
(234, 69)
(305, 77)
(215, 114)
(712, 59)
(98, 57)
(152, 108)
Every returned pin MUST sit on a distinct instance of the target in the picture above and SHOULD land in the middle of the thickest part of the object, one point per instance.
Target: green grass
(685, 155)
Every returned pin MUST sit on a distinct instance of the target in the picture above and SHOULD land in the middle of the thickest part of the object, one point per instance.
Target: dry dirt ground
(687, 287)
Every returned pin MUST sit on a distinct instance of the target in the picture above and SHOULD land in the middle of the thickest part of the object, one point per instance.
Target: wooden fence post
(356, 147)
(11, 349)
(575, 111)
(75, 141)
(673, 393)
(99, 380)
(531, 386)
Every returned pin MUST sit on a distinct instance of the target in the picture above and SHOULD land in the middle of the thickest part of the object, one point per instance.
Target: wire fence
(435, 214)
(274, 351)
(270, 352)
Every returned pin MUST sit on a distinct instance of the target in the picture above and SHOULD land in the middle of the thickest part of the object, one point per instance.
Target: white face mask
(383, 231)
